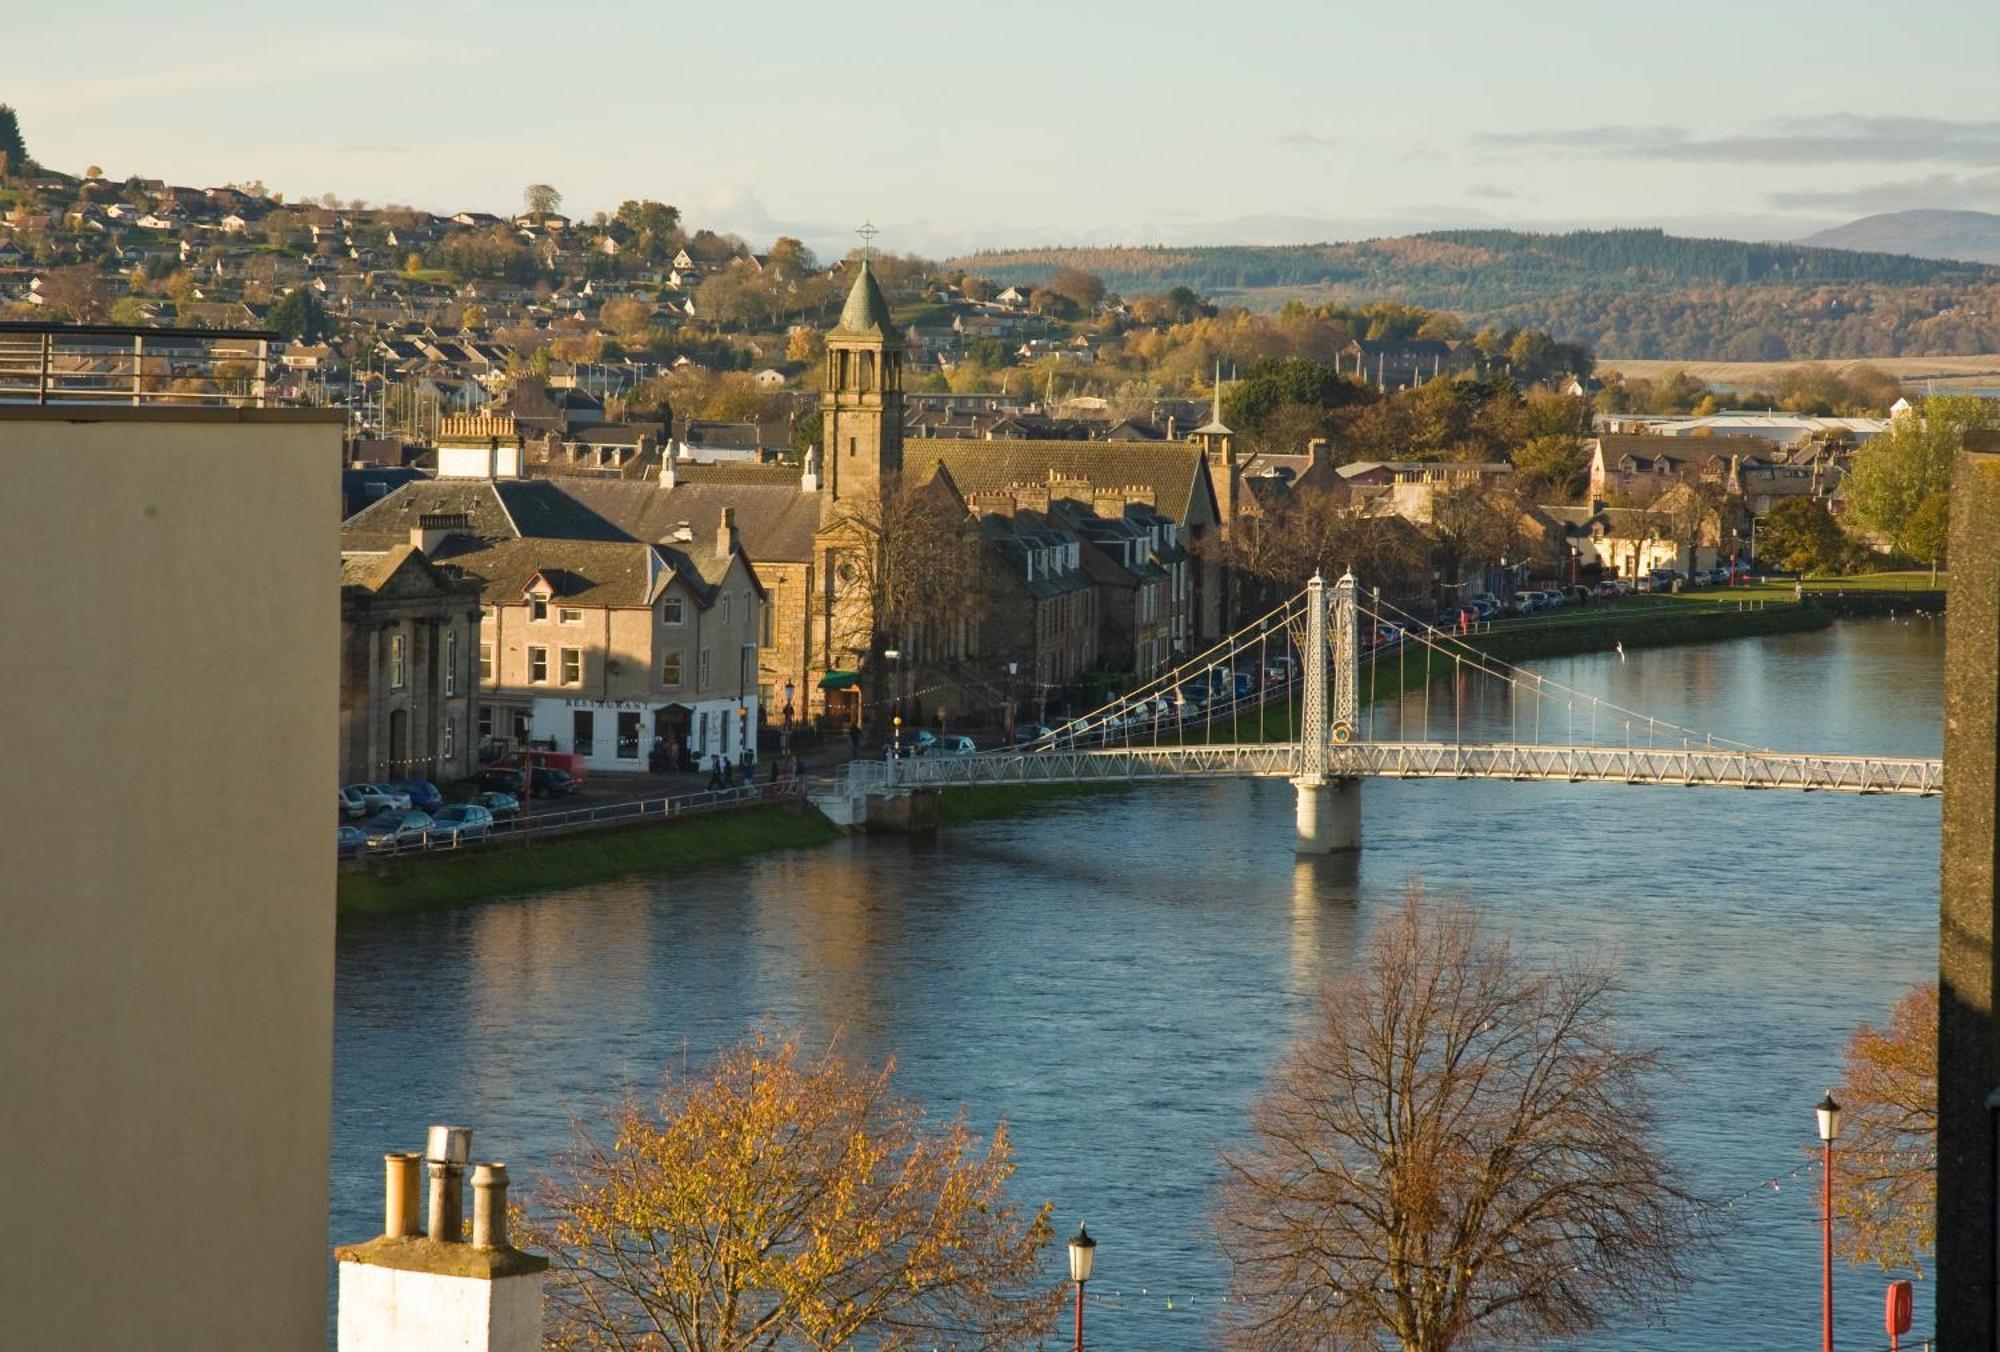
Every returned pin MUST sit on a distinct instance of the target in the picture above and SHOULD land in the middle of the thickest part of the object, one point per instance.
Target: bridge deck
(1909, 776)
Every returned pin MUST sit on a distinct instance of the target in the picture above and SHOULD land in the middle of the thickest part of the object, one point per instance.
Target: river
(1115, 975)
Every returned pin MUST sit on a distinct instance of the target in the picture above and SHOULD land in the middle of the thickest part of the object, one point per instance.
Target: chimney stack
(433, 528)
(725, 533)
(407, 1289)
(668, 477)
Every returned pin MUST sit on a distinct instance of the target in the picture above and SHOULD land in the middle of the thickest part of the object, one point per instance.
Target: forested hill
(1632, 293)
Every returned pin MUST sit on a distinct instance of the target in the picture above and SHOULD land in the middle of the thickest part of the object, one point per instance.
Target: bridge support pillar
(1329, 815)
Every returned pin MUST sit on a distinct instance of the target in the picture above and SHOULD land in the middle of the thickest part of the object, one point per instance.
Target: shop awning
(839, 680)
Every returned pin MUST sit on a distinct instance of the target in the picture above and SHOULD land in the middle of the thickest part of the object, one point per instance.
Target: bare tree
(1456, 1150)
(906, 573)
(77, 293)
(1317, 530)
(779, 1200)
(1887, 1199)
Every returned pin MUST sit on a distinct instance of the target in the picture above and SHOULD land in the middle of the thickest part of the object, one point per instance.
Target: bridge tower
(1329, 807)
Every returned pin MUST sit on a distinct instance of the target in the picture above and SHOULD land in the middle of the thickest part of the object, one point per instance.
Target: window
(398, 664)
(572, 666)
(583, 732)
(764, 636)
(725, 607)
(485, 722)
(450, 664)
(538, 607)
(670, 610)
(538, 666)
(701, 677)
(670, 667)
(486, 659)
(628, 734)
(450, 738)
(569, 615)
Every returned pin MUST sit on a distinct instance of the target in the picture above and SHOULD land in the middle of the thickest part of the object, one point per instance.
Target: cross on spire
(867, 231)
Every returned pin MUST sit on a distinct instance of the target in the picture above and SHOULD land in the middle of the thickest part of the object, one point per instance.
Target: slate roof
(498, 510)
(775, 521)
(1175, 472)
(589, 572)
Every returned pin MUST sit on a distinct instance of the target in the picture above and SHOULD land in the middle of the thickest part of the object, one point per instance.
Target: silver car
(461, 821)
(382, 797)
(396, 828)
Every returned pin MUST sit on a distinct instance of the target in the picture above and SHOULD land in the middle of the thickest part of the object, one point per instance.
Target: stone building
(611, 649)
(407, 633)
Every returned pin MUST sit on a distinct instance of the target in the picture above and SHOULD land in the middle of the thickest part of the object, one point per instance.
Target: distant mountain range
(1970, 235)
(1627, 293)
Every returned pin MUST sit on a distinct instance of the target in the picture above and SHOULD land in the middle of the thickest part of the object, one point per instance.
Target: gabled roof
(588, 572)
(497, 510)
(775, 521)
(1175, 472)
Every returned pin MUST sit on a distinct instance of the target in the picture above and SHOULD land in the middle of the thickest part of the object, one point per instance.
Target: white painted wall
(384, 1309)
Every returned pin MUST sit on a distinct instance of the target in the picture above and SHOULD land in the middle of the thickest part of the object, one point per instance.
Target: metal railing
(1684, 767)
(573, 820)
(115, 364)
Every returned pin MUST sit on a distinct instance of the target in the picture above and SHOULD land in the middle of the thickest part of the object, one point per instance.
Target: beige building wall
(166, 889)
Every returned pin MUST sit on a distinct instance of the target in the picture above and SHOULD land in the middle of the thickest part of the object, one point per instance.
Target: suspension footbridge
(1284, 698)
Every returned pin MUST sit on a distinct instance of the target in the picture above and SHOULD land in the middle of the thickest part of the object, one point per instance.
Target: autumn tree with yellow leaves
(777, 1199)
(1886, 1201)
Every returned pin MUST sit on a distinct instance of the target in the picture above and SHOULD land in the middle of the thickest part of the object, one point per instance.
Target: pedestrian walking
(715, 780)
(854, 740)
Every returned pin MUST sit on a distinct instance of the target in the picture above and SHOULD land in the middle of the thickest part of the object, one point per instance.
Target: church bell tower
(861, 399)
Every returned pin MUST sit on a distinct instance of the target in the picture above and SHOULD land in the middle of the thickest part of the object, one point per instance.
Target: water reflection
(1115, 976)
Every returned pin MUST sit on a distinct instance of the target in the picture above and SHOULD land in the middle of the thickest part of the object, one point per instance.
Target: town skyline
(1698, 130)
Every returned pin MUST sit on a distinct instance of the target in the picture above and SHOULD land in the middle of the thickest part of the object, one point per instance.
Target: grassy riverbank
(425, 882)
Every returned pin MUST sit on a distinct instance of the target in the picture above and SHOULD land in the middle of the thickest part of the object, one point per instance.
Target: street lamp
(1828, 1113)
(790, 690)
(1082, 1255)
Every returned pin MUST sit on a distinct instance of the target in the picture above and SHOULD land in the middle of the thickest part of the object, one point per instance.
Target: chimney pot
(445, 1157)
(400, 1210)
(489, 1206)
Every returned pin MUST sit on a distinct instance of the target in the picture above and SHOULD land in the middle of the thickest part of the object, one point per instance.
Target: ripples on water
(1115, 976)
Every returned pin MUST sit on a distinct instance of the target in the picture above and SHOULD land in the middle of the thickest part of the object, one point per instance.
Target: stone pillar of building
(372, 693)
(1968, 979)
(1329, 815)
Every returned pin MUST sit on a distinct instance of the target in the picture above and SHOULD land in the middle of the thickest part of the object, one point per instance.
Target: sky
(955, 126)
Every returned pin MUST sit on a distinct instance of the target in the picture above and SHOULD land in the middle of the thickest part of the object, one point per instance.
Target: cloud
(1492, 192)
(1311, 140)
(373, 150)
(1839, 138)
(1935, 190)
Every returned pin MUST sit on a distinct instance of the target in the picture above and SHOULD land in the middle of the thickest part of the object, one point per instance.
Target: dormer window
(538, 607)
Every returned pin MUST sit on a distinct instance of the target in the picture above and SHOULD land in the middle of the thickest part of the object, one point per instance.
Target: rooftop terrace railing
(115, 364)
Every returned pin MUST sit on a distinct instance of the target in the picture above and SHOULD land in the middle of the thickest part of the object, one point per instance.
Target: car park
(352, 803)
(351, 841)
(462, 821)
(506, 779)
(1024, 733)
(396, 828)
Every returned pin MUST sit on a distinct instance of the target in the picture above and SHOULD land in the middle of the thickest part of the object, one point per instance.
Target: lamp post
(1828, 1113)
(1082, 1254)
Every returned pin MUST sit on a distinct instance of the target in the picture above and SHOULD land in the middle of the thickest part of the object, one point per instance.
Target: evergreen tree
(13, 150)
(299, 315)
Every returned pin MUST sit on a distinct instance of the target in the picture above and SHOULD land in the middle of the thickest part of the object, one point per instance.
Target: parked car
(1025, 733)
(504, 806)
(550, 782)
(1484, 600)
(1578, 594)
(424, 795)
(1607, 588)
(352, 840)
(468, 821)
(380, 797)
(397, 827)
(505, 779)
(352, 801)
(953, 744)
(1526, 603)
